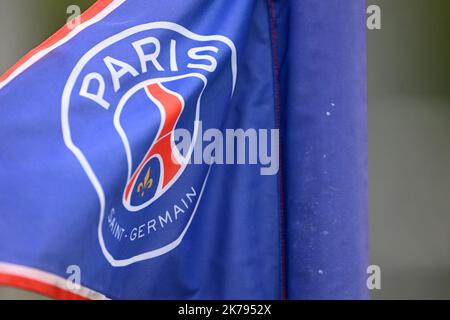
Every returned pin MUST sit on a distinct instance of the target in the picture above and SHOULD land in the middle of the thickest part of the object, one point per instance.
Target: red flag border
(43, 282)
(94, 14)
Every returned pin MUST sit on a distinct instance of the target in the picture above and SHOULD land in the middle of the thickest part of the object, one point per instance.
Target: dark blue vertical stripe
(325, 147)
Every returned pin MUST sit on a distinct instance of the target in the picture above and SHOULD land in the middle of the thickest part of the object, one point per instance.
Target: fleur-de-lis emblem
(146, 184)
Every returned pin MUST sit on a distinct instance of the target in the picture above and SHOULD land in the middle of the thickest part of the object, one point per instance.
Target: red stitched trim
(272, 13)
(38, 287)
(90, 13)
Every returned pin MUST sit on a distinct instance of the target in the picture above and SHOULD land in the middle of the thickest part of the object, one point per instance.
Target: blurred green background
(409, 148)
(409, 131)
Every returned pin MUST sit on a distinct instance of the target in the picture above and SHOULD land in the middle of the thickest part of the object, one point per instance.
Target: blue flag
(188, 150)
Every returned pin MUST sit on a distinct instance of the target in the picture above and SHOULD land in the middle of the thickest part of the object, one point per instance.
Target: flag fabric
(100, 197)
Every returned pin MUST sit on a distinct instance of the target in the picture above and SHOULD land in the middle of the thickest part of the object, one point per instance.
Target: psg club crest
(121, 107)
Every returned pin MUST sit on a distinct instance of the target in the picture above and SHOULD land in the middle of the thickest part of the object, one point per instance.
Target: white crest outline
(65, 104)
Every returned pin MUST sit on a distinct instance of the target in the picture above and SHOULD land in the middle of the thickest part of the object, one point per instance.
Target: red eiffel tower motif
(171, 110)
